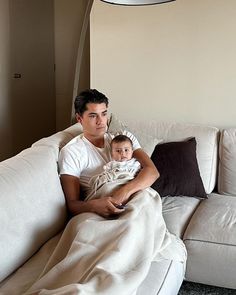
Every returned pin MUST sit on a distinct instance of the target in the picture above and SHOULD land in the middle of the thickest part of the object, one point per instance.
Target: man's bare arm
(146, 177)
(71, 187)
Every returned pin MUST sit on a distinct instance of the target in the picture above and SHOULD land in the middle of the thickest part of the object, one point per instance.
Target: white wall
(173, 62)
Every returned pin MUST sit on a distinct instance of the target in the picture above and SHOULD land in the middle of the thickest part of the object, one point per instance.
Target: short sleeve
(71, 161)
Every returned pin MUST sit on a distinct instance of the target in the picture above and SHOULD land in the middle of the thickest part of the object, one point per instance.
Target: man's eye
(92, 116)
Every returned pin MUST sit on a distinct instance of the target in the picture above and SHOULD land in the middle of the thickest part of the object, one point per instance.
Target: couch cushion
(206, 137)
(147, 142)
(165, 277)
(177, 211)
(32, 205)
(227, 162)
(210, 239)
(151, 132)
(22, 279)
(61, 138)
(178, 167)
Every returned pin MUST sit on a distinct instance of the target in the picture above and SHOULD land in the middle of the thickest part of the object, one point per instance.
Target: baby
(123, 166)
(122, 156)
(121, 148)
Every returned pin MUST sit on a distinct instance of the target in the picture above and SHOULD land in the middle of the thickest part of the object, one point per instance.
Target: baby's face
(121, 151)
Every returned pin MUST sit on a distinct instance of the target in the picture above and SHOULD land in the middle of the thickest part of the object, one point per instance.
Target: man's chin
(101, 131)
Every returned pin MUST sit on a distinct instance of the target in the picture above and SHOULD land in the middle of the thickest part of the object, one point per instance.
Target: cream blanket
(110, 256)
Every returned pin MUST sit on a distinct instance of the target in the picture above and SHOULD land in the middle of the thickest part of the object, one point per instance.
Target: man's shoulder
(75, 144)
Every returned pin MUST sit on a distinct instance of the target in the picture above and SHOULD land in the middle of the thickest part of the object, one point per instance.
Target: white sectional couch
(33, 210)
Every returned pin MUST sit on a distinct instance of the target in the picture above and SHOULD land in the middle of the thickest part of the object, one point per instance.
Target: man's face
(94, 120)
(121, 151)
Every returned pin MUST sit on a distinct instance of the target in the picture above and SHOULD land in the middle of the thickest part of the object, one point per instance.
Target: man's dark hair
(121, 138)
(88, 96)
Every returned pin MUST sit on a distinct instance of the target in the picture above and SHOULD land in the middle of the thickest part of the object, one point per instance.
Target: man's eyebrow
(94, 113)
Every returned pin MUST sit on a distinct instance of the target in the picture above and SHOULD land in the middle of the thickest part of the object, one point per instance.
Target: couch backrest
(32, 205)
(227, 162)
(61, 138)
(152, 132)
(206, 137)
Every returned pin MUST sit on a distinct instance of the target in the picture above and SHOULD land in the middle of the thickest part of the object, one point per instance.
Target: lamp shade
(136, 2)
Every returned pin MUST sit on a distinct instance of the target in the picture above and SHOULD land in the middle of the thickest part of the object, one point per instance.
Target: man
(98, 255)
(85, 156)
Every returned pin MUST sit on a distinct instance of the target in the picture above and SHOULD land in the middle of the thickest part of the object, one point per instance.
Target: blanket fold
(110, 256)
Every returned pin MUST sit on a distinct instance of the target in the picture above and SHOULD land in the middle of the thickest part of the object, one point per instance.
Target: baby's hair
(121, 138)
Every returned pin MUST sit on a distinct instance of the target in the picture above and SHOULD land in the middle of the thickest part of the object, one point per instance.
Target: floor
(188, 288)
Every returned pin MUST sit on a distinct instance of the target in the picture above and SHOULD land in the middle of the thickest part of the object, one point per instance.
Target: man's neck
(96, 141)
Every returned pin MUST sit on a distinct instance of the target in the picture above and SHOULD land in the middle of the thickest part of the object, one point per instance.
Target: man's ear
(78, 118)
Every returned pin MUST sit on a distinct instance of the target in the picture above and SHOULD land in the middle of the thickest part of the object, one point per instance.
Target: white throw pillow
(147, 142)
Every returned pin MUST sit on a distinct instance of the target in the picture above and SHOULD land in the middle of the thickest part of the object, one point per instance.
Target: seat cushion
(164, 278)
(177, 211)
(210, 239)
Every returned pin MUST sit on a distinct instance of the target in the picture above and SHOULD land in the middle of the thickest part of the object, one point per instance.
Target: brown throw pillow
(178, 167)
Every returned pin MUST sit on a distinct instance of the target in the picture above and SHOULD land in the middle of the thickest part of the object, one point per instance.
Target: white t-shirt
(82, 159)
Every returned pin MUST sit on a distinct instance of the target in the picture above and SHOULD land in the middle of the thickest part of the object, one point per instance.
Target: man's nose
(99, 120)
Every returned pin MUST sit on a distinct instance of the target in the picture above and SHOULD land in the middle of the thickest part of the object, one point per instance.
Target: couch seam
(210, 242)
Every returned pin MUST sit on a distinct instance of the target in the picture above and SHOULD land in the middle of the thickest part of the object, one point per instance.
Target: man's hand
(121, 195)
(145, 178)
(147, 175)
(105, 206)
